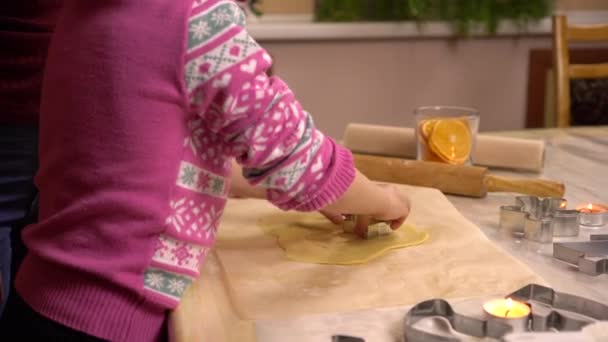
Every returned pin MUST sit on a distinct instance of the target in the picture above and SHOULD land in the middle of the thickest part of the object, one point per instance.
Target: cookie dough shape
(311, 238)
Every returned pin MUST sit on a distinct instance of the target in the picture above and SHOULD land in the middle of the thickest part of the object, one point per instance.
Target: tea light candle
(591, 209)
(592, 215)
(507, 311)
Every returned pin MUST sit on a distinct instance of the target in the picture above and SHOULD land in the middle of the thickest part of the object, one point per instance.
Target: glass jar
(446, 134)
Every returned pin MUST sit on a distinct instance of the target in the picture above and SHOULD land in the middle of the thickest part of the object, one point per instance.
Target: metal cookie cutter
(436, 319)
(552, 310)
(538, 229)
(590, 257)
(539, 219)
(374, 230)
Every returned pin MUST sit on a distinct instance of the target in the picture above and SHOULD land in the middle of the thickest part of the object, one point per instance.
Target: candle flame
(453, 152)
(590, 206)
(563, 205)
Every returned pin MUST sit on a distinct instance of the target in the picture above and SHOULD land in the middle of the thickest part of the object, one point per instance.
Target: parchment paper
(458, 261)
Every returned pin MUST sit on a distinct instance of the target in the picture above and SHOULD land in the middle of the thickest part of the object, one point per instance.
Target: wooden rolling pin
(472, 181)
(400, 142)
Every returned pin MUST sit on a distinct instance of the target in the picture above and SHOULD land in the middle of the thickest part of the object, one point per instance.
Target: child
(144, 108)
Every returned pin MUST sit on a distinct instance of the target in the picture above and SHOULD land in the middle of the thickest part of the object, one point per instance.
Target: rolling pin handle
(534, 187)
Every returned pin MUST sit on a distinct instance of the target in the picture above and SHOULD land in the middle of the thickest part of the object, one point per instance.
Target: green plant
(463, 14)
(253, 4)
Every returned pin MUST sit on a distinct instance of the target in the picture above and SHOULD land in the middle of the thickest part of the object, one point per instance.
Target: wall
(287, 6)
(381, 82)
(306, 6)
(581, 4)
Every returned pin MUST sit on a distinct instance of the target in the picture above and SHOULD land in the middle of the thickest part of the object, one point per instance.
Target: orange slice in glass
(451, 141)
(426, 127)
(428, 154)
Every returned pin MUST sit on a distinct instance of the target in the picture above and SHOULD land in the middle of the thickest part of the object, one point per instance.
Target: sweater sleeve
(258, 117)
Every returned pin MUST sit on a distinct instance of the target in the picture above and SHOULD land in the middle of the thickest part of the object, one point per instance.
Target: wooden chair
(564, 71)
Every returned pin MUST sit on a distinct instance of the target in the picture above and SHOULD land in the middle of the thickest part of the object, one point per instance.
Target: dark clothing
(25, 31)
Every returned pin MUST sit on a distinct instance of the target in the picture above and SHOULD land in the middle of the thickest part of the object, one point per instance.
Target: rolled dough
(313, 239)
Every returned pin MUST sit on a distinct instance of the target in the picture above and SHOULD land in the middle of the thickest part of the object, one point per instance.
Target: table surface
(579, 158)
(576, 156)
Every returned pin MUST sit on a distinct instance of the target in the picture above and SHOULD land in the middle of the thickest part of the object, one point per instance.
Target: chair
(563, 33)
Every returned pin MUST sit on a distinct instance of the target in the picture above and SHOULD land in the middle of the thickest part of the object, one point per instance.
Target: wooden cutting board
(254, 280)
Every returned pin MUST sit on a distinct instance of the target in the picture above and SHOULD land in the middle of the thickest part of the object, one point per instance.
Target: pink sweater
(144, 106)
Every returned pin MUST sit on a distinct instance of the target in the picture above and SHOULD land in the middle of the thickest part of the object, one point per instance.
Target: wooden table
(576, 156)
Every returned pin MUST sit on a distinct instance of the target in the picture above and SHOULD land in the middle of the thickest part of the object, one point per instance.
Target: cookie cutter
(591, 333)
(559, 311)
(539, 230)
(540, 207)
(435, 319)
(589, 257)
(539, 219)
(375, 228)
(566, 223)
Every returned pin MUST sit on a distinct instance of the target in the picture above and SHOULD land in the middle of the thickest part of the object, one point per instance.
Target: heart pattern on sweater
(249, 67)
(222, 82)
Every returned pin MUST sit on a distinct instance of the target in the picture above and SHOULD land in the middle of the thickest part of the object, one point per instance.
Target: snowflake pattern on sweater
(237, 111)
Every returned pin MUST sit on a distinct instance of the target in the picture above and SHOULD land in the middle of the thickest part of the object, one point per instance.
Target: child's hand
(370, 201)
(396, 210)
(336, 219)
(397, 207)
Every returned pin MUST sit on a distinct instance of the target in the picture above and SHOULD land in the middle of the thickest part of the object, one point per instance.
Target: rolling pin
(472, 181)
(400, 142)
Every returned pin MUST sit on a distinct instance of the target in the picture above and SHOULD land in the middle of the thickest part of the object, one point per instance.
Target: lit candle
(508, 311)
(591, 209)
(506, 308)
(593, 215)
